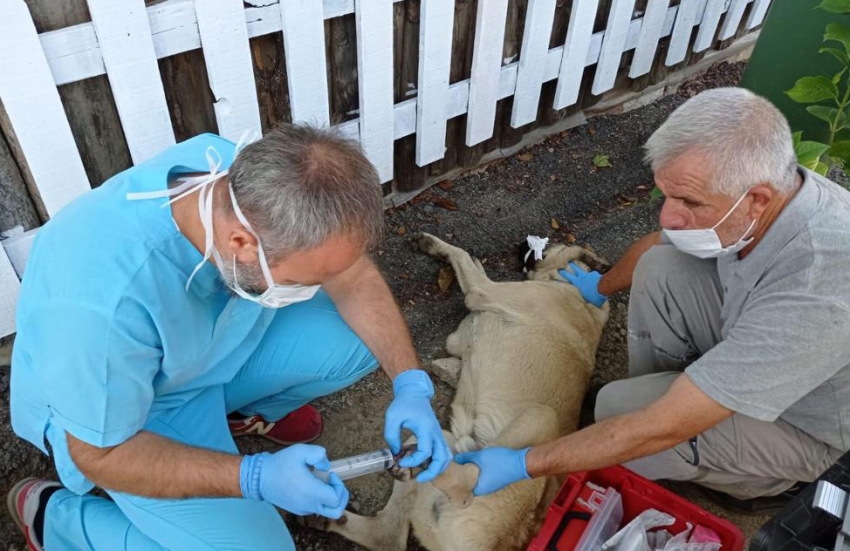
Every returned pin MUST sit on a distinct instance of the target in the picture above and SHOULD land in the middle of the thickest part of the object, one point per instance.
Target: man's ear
(761, 195)
(242, 244)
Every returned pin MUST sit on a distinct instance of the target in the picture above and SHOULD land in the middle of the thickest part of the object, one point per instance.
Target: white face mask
(706, 243)
(275, 296)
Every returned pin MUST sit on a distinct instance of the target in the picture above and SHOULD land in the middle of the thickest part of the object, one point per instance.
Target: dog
(526, 351)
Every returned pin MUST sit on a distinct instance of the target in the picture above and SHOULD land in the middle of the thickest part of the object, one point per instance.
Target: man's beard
(248, 277)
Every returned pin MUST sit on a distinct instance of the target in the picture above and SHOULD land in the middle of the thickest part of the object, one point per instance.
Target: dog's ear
(526, 257)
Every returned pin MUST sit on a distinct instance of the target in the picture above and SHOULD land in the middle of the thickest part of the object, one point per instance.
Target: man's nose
(672, 216)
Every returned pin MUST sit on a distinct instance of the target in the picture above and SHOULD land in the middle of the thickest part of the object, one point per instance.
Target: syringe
(363, 464)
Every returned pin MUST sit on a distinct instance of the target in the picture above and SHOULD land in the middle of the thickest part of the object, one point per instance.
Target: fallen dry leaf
(551, 150)
(447, 275)
(552, 177)
(401, 231)
(641, 187)
(591, 129)
(525, 157)
(445, 203)
(571, 238)
(554, 224)
(446, 185)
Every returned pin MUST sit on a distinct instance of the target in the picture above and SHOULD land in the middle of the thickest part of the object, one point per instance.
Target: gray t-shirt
(785, 351)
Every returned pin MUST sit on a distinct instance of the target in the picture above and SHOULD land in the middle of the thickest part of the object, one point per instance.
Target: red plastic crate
(638, 495)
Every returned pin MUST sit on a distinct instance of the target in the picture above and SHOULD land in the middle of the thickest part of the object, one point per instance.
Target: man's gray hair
(746, 140)
(300, 186)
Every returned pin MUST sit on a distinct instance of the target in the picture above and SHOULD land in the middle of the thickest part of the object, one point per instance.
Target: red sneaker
(23, 501)
(299, 427)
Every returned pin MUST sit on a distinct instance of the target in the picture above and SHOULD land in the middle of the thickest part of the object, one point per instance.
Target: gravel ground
(551, 189)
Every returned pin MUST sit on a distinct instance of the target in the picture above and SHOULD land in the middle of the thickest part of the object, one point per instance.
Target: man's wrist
(604, 287)
(413, 382)
(535, 462)
(249, 475)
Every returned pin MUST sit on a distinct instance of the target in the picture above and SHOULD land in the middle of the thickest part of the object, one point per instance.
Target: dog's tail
(463, 429)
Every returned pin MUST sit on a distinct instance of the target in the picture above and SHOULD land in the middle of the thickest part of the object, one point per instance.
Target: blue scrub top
(108, 336)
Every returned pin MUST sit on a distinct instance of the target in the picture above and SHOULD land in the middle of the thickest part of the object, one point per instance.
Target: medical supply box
(566, 520)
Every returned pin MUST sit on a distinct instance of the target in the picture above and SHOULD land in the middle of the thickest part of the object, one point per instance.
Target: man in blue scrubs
(192, 287)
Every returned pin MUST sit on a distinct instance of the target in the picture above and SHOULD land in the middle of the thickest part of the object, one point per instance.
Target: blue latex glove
(411, 410)
(286, 480)
(499, 467)
(586, 282)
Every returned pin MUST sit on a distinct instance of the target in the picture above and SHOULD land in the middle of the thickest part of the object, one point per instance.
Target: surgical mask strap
(264, 266)
(729, 213)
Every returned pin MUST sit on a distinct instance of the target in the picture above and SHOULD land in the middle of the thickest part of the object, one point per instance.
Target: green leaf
(838, 75)
(821, 168)
(656, 194)
(808, 153)
(828, 114)
(813, 90)
(840, 150)
(601, 160)
(840, 55)
(835, 6)
(797, 136)
(839, 33)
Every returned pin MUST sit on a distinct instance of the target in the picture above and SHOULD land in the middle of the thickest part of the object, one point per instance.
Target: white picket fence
(125, 39)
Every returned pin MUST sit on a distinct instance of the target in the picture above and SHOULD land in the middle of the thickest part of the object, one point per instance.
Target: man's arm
(619, 277)
(154, 466)
(682, 413)
(365, 302)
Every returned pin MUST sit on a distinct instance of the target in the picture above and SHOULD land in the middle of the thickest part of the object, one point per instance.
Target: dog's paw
(428, 244)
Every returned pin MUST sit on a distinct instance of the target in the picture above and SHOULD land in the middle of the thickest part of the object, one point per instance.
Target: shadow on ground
(552, 189)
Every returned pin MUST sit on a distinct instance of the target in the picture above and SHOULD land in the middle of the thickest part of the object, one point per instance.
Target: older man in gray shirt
(746, 291)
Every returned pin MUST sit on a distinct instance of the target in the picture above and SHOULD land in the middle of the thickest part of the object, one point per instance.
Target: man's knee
(628, 395)
(663, 267)
(208, 524)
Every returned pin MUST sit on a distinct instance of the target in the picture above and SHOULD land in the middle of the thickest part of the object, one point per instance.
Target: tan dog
(527, 351)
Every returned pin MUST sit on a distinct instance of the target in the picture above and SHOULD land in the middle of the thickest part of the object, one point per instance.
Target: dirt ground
(551, 189)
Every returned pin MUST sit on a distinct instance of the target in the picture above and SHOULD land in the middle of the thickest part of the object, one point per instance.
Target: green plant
(601, 160)
(829, 96)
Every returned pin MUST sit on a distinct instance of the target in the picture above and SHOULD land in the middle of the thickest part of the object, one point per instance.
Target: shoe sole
(11, 502)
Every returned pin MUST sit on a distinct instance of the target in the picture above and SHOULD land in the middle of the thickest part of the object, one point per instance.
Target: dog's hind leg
(469, 273)
(388, 530)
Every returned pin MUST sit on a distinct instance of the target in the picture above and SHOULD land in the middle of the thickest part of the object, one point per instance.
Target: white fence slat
(224, 37)
(124, 34)
(306, 67)
(613, 45)
(733, 19)
(18, 250)
(374, 23)
(650, 33)
(708, 25)
(686, 18)
(34, 108)
(486, 70)
(576, 48)
(539, 18)
(757, 13)
(10, 288)
(72, 53)
(436, 20)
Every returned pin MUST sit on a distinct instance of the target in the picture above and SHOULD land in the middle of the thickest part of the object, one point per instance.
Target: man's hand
(286, 480)
(499, 467)
(586, 282)
(411, 410)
